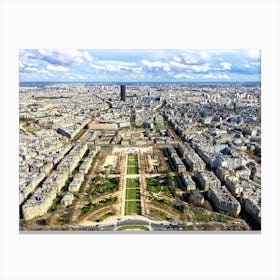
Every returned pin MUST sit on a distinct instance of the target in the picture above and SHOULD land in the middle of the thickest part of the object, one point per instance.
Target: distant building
(103, 126)
(122, 92)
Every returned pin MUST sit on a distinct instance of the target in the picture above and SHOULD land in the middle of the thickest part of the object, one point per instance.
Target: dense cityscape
(140, 156)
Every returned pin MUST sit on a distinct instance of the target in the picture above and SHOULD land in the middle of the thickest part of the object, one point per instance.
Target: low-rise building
(194, 162)
(179, 165)
(85, 165)
(223, 201)
(76, 183)
(171, 151)
(233, 185)
(188, 182)
(103, 126)
(251, 199)
(39, 203)
(207, 179)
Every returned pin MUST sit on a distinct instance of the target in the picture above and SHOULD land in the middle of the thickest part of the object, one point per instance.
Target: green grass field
(132, 207)
(132, 183)
(133, 228)
(132, 194)
(132, 164)
(132, 169)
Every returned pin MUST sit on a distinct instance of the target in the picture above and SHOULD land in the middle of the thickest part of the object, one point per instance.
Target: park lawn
(132, 194)
(132, 160)
(132, 156)
(132, 183)
(132, 169)
(132, 164)
(133, 228)
(132, 207)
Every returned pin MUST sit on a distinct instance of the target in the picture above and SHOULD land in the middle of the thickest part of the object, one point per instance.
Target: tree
(207, 205)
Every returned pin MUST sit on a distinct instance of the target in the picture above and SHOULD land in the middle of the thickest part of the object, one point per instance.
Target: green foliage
(92, 207)
(55, 202)
(200, 217)
(111, 213)
(207, 205)
(153, 185)
(102, 186)
(159, 215)
(125, 128)
(86, 209)
(163, 184)
(132, 228)
(221, 219)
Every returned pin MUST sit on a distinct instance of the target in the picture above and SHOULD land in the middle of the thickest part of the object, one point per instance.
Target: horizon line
(119, 82)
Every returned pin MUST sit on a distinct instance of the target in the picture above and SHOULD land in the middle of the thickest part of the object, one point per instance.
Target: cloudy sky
(139, 65)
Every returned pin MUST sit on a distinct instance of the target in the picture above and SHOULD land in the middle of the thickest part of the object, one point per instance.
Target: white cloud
(64, 57)
(226, 65)
(181, 75)
(44, 71)
(166, 68)
(116, 66)
(119, 63)
(177, 64)
(200, 68)
(57, 68)
(80, 77)
(30, 69)
(204, 55)
(190, 59)
(254, 63)
(137, 69)
(111, 68)
(155, 64)
(216, 76)
(143, 65)
(87, 56)
(177, 58)
(97, 67)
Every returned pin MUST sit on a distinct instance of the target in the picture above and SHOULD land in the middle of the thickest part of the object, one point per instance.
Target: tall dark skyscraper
(122, 92)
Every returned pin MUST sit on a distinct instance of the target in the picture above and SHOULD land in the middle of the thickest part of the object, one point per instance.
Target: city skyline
(84, 65)
(115, 157)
